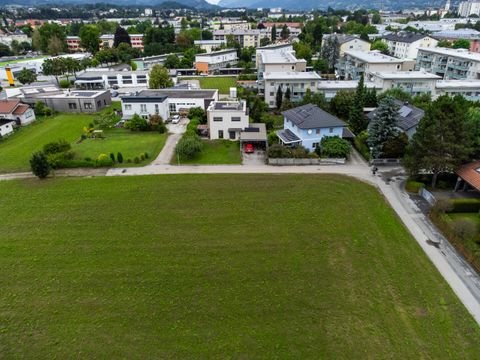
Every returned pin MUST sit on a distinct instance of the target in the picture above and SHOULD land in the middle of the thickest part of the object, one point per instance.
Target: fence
(385, 162)
(291, 161)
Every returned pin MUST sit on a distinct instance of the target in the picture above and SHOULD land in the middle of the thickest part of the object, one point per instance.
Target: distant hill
(194, 4)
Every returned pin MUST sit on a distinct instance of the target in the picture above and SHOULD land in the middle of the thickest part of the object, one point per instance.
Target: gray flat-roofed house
(78, 101)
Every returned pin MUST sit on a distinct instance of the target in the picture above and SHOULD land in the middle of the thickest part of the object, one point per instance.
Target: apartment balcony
(458, 67)
(455, 75)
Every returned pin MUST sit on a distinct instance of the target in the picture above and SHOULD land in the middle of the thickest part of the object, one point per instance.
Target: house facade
(307, 125)
(245, 38)
(227, 119)
(297, 82)
(347, 43)
(107, 79)
(412, 82)
(16, 111)
(405, 45)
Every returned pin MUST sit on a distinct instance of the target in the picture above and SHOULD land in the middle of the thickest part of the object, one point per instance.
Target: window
(143, 107)
(156, 109)
(220, 134)
(145, 117)
(330, 130)
(236, 118)
(87, 105)
(128, 106)
(271, 93)
(317, 131)
(312, 84)
(172, 107)
(72, 106)
(104, 102)
(99, 103)
(218, 118)
(231, 134)
(315, 145)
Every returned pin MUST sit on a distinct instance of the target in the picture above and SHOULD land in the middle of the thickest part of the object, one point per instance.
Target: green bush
(136, 160)
(189, 146)
(333, 147)
(70, 164)
(64, 84)
(465, 205)
(103, 160)
(198, 114)
(192, 127)
(39, 165)
(278, 151)
(119, 158)
(129, 161)
(360, 143)
(142, 157)
(57, 159)
(272, 138)
(137, 123)
(112, 157)
(414, 186)
(146, 155)
(56, 147)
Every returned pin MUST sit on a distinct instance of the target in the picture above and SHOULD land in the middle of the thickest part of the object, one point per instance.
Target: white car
(175, 119)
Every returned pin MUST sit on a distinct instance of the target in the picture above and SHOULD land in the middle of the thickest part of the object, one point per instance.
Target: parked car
(175, 119)
(248, 148)
(114, 93)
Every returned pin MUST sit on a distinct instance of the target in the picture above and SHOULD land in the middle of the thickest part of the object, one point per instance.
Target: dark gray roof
(179, 93)
(408, 115)
(404, 36)
(343, 38)
(288, 136)
(311, 116)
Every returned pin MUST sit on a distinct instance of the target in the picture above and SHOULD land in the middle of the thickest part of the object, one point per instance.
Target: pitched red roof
(8, 106)
(21, 109)
(471, 174)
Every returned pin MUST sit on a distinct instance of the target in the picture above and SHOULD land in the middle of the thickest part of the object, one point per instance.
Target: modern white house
(405, 45)
(207, 63)
(227, 119)
(165, 102)
(355, 63)
(209, 45)
(297, 82)
(16, 111)
(106, 79)
(330, 88)
(245, 37)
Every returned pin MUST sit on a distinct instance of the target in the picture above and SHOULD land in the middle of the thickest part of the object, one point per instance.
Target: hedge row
(465, 206)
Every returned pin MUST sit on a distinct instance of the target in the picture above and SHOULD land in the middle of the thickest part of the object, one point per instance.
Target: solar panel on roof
(404, 111)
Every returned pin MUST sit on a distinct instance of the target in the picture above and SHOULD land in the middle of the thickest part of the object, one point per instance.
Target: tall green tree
(159, 78)
(274, 33)
(121, 36)
(39, 164)
(90, 38)
(51, 38)
(279, 97)
(285, 33)
(441, 142)
(356, 118)
(383, 126)
(331, 51)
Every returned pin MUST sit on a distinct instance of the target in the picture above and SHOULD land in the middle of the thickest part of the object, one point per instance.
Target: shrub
(39, 108)
(137, 123)
(146, 155)
(119, 158)
(395, 148)
(413, 186)
(56, 147)
(299, 152)
(112, 157)
(87, 158)
(189, 146)
(465, 205)
(70, 164)
(272, 138)
(64, 84)
(142, 157)
(57, 160)
(39, 164)
(47, 111)
(333, 147)
(278, 151)
(442, 206)
(136, 160)
(192, 127)
(360, 143)
(129, 161)
(464, 228)
(102, 157)
(198, 114)
(103, 160)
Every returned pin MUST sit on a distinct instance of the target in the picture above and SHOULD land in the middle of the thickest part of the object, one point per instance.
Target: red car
(248, 148)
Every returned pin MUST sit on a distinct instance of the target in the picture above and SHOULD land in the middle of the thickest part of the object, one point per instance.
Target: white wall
(129, 109)
(6, 129)
(226, 123)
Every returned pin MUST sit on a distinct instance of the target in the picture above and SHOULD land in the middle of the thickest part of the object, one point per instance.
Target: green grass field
(130, 144)
(17, 149)
(3, 63)
(218, 266)
(222, 83)
(215, 152)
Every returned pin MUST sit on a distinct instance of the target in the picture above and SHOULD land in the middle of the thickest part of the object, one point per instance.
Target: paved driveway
(175, 132)
(256, 158)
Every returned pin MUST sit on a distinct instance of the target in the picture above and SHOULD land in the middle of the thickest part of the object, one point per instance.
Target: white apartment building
(297, 82)
(454, 64)
(274, 48)
(347, 42)
(470, 89)
(330, 88)
(355, 63)
(215, 60)
(245, 37)
(227, 119)
(405, 45)
(106, 79)
(230, 24)
(7, 38)
(412, 82)
(467, 8)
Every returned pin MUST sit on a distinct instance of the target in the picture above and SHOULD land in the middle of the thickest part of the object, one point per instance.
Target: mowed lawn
(130, 144)
(218, 266)
(222, 83)
(16, 150)
(215, 152)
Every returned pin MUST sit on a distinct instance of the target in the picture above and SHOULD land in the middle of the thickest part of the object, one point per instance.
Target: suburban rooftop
(406, 75)
(291, 75)
(460, 53)
(374, 56)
